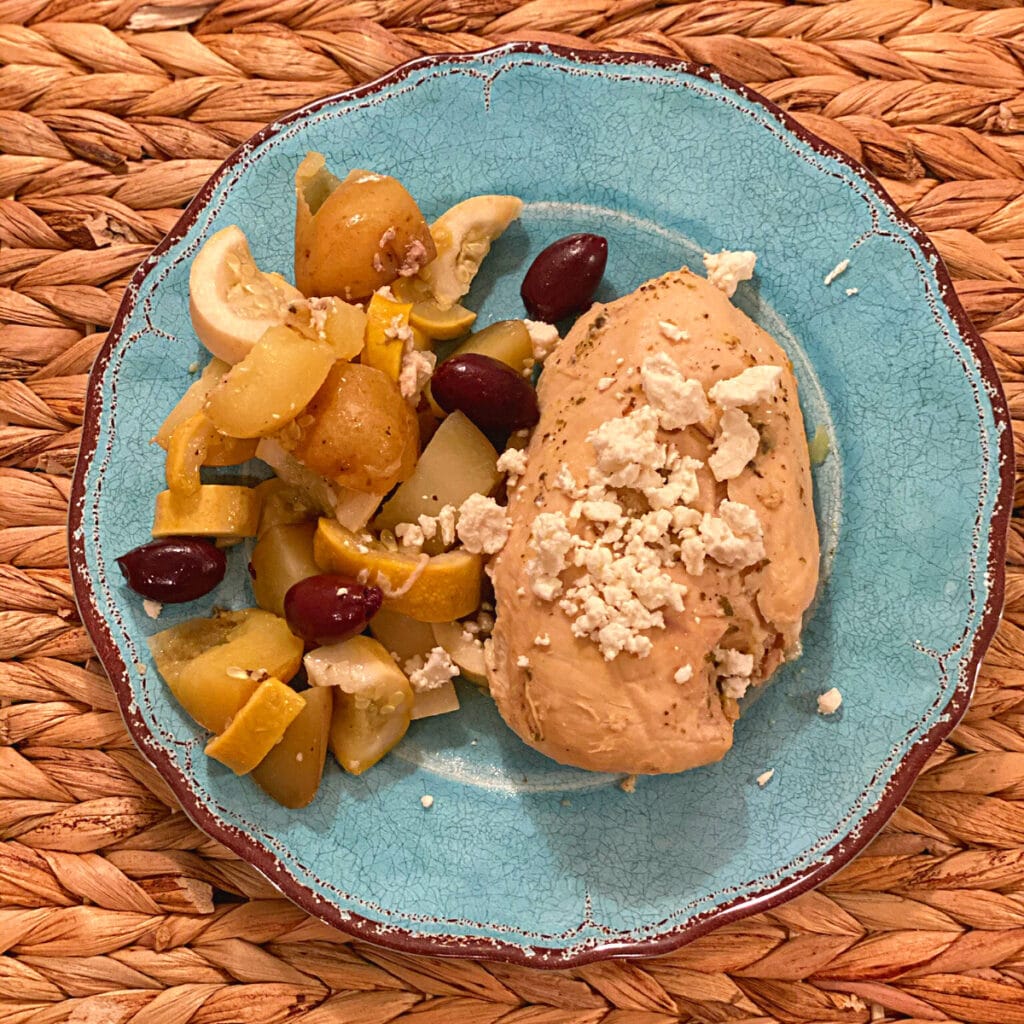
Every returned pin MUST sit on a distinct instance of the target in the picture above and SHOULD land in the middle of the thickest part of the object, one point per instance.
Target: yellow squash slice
(260, 724)
(435, 588)
(223, 511)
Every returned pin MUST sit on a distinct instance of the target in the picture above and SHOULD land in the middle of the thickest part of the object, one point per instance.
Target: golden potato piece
(281, 558)
(357, 235)
(213, 666)
(291, 772)
(358, 431)
(259, 724)
(458, 461)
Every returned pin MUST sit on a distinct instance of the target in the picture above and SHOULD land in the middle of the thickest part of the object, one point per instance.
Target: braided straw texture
(113, 908)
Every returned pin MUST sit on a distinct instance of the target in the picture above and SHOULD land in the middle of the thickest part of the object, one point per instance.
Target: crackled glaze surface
(519, 858)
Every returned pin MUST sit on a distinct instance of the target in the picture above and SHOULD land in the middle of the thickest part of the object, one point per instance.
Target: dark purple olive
(325, 609)
(174, 569)
(563, 278)
(488, 391)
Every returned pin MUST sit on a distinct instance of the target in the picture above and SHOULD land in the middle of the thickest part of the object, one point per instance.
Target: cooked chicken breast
(663, 546)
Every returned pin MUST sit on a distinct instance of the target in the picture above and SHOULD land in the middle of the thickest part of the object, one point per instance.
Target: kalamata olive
(174, 569)
(489, 392)
(563, 278)
(326, 609)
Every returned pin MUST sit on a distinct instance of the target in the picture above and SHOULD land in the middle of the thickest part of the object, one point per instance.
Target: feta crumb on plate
(726, 269)
(765, 777)
(427, 801)
(830, 702)
(152, 608)
(840, 268)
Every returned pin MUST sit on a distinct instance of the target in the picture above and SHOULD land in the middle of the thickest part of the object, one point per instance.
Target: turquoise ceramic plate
(519, 858)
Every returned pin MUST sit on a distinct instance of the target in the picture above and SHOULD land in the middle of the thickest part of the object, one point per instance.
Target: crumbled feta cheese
(386, 237)
(543, 338)
(319, 307)
(830, 702)
(512, 462)
(193, 366)
(414, 258)
(726, 269)
(840, 268)
(684, 674)
(679, 401)
(152, 608)
(551, 540)
(483, 526)
(426, 801)
(410, 535)
(542, 640)
(432, 672)
(604, 383)
(765, 777)
(523, 661)
(731, 662)
(385, 292)
(566, 483)
(398, 330)
(446, 524)
(735, 445)
(416, 370)
(427, 525)
(852, 291)
(733, 538)
(627, 449)
(753, 385)
(672, 331)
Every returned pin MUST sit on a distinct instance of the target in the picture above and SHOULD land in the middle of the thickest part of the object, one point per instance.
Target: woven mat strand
(113, 908)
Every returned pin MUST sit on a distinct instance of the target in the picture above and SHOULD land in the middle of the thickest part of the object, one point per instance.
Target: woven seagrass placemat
(113, 908)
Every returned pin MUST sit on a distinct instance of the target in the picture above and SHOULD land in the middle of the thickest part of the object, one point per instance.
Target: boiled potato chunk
(372, 700)
(508, 341)
(271, 385)
(223, 511)
(357, 235)
(458, 461)
(291, 772)
(260, 723)
(401, 636)
(358, 431)
(213, 665)
(442, 588)
(442, 700)
(282, 556)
